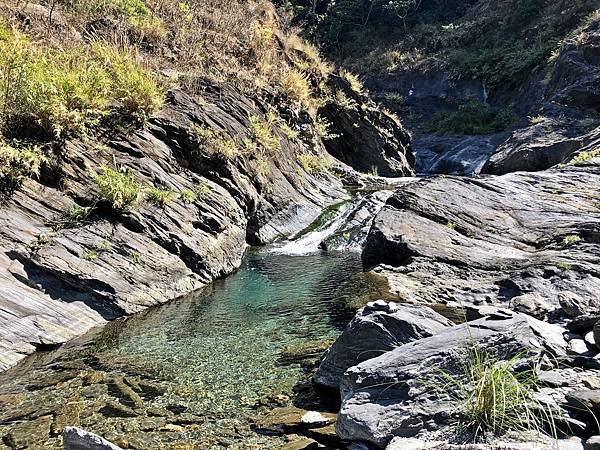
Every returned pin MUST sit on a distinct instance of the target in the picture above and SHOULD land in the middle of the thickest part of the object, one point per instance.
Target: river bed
(192, 373)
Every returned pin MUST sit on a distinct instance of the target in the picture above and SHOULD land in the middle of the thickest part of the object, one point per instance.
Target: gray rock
(578, 347)
(78, 439)
(596, 331)
(490, 240)
(377, 328)
(388, 396)
(531, 303)
(593, 443)
(589, 339)
(585, 400)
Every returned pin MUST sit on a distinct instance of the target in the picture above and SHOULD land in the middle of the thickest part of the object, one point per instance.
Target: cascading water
(343, 226)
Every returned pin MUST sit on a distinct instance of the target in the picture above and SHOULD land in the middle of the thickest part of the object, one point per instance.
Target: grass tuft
(120, 188)
(160, 196)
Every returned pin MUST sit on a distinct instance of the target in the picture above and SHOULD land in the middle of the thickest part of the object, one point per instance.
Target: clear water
(213, 360)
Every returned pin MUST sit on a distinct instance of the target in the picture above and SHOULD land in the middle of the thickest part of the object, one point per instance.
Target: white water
(350, 225)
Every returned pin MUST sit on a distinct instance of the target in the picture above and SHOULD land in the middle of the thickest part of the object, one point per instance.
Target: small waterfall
(343, 226)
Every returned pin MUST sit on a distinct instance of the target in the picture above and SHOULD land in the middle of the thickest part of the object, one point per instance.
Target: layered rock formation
(58, 278)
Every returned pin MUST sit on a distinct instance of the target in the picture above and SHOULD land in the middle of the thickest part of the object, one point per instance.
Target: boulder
(377, 328)
(392, 395)
(78, 439)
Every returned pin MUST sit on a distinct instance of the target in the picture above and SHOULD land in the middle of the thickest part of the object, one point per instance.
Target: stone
(578, 347)
(531, 303)
(593, 443)
(385, 397)
(487, 241)
(316, 419)
(77, 439)
(585, 400)
(573, 443)
(589, 339)
(596, 332)
(377, 328)
(400, 443)
(66, 416)
(31, 433)
(301, 443)
(291, 419)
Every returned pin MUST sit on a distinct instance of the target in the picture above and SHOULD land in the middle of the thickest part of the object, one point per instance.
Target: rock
(578, 347)
(377, 328)
(29, 433)
(78, 439)
(291, 419)
(301, 443)
(589, 339)
(582, 324)
(585, 400)
(66, 416)
(401, 443)
(367, 139)
(385, 397)
(531, 303)
(596, 331)
(569, 444)
(487, 241)
(116, 409)
(316, 419)
(593, 443)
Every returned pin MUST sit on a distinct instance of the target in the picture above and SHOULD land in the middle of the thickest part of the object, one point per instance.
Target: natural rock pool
(193, 371)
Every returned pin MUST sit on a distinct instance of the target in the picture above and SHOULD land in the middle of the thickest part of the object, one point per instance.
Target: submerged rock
(377, 328)
(78, 439)
(392, 395)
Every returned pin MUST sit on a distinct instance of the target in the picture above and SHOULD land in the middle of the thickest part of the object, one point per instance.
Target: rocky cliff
(62, 273)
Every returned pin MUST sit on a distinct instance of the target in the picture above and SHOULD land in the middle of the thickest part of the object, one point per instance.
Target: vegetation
(296, 86)
(473, 117)
(262, 133)
(160, 196)
(69, 90)
(494, 397)
(497, 42)
(119, 188)
(73, 216)
(216, 142)
(16, 164)
(314, 164)
(583, 157)
(571, 239)
(188, 196)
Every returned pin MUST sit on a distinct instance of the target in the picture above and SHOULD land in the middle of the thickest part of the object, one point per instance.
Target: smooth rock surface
(390, 396)
(377, 328)
(78, 439)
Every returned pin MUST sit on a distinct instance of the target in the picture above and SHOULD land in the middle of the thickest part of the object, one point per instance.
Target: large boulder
(493, 239)
(363, 135)
(377, 328)
(392, 395)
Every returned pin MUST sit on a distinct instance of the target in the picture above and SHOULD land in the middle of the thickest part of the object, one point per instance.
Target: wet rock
(78, 439)
(31, 433)
(378, 327)
(385, 397)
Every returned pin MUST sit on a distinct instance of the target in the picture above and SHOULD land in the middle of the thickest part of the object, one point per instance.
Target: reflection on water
(194, 370)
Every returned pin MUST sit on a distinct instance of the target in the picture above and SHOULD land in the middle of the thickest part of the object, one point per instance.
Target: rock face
(391, 395)
(363, 136)
(59, 278)
(493, 239)
(78, 439)
(567, 115)
(377, 328)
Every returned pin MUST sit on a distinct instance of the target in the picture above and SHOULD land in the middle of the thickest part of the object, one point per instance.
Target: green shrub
(70, 90)
(73, 216)
(188, 196)
(216, 142)
(314, 164)
(473, 117)
(493, 397)
(16, 164)
(118, 187)
(160, 196)
(262, 132)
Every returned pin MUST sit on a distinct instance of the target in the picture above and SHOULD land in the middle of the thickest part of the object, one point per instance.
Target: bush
(473, 117)
(70, 90)
(118, 187)
(262, 132)
(314, 164)
(16, 164)
(216, 142)
(296, 86)
(494, 397)
(160, 196)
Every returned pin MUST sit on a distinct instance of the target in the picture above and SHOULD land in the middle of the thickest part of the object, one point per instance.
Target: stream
(198, 370)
